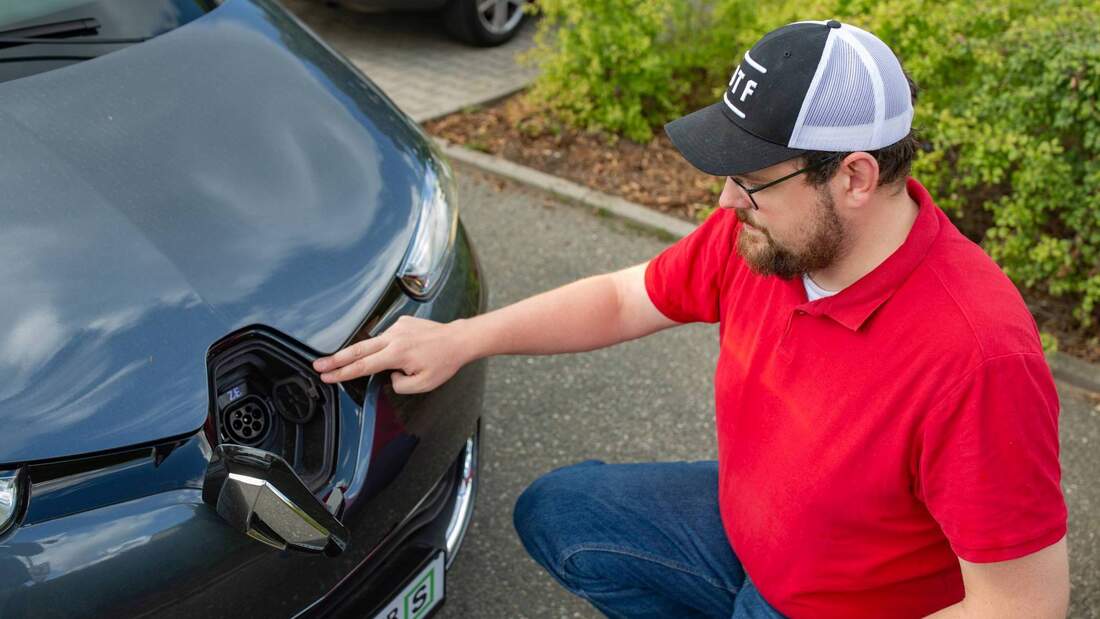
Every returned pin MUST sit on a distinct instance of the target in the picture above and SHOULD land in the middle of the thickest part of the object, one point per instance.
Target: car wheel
(484, 22)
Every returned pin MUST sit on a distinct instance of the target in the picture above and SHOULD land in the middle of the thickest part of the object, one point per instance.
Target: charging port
(267, 396)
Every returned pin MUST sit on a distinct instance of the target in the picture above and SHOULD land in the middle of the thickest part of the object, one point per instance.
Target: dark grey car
(199, 200)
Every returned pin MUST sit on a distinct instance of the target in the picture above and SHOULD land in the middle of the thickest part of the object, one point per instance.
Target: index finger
(348, 354)
(364, 366)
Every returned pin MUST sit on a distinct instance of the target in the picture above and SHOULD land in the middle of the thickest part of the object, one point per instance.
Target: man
(887, 424)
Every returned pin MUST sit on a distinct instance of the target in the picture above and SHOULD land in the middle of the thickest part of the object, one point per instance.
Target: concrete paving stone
(413, 60)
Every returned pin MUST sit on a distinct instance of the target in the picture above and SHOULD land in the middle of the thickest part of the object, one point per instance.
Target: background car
(478, 22)
(200, 199)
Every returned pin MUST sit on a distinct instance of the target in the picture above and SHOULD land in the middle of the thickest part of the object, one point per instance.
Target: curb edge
(1076, 372)
(567, 190)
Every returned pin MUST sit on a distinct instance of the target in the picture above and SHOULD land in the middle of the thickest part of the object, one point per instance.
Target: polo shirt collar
(853, 305)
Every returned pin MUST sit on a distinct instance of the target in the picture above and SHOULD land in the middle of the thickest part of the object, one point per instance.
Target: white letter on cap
(736, 79)
(750, 87)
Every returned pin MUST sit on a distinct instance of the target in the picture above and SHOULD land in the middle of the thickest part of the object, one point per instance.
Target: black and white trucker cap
(812, 85)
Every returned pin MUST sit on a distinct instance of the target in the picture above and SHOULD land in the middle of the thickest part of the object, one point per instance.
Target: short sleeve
(684, 281)
(988, 462)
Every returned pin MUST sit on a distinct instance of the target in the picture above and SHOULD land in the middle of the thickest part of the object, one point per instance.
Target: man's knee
(527, 509)
(546, 512)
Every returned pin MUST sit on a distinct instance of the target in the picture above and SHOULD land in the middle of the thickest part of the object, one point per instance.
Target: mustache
(743, 217)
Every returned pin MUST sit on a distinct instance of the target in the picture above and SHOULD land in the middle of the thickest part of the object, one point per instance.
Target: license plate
(420, 596)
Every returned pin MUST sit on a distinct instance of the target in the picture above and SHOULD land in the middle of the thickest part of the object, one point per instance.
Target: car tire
(484, 22)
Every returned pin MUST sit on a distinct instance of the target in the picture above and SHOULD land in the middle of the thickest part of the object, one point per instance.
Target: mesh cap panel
(898, 97)
(845, 95)
(859, 98)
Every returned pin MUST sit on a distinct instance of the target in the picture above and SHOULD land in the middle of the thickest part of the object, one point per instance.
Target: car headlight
(9, 497)
(432, 245)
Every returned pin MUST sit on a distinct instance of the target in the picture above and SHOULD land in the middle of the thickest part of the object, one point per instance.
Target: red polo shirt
(867, 438)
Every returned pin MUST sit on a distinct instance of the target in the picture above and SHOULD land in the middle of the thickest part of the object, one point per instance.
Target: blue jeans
(638, 540)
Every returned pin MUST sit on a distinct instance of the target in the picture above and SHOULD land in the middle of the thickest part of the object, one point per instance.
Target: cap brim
(712, 143)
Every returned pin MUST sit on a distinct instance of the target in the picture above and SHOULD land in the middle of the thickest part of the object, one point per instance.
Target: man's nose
(733, 196)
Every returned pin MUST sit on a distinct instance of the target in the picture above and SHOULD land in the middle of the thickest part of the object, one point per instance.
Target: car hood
(228, 173)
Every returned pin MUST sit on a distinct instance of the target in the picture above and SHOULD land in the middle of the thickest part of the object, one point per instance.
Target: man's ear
(858, 174)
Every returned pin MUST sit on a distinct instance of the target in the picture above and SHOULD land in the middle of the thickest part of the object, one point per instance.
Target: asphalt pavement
(650, 399)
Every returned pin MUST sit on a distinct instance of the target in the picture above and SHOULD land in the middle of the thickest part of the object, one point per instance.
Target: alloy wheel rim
(500, 16)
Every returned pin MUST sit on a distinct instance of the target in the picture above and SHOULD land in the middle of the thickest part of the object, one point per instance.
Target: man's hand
(585, 315)
(426, 353)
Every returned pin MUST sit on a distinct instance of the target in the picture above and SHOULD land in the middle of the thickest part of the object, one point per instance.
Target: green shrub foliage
(1007, 103)
(610, 65)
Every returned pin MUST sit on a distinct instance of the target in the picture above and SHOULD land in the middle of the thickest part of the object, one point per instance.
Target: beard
(824, 244)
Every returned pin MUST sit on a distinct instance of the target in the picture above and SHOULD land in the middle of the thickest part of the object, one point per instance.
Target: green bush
(1008, 103)
(595, 76)
(623, 66)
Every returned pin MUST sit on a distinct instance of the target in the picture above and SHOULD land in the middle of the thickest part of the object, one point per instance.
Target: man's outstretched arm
(1035, 586)
(585, 315)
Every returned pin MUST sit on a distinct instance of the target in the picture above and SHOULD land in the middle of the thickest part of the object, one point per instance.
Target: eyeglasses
(749, 192)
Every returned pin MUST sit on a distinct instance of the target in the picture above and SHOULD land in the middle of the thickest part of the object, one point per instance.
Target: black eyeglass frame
(749, 192)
